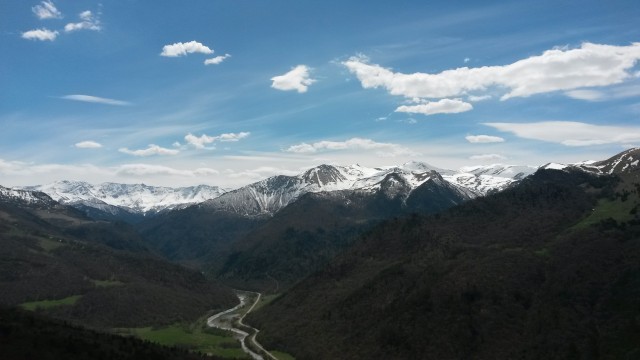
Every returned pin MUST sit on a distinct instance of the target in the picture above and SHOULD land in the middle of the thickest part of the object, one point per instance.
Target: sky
(228, 92)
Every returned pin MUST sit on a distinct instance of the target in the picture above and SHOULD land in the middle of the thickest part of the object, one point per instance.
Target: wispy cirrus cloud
(217, 60)
(95, 99)
(571, 133)
(483, 139)
(298, 79)
(199, 142)
(160, 170)
(88, 21)
(46, 10)
(40, 34)
(151, 150)
(558, 69)
(488, 157)
(88, 144)
(383, 149)
(184, 48)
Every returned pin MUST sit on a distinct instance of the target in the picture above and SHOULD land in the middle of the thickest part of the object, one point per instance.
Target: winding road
(225, 320)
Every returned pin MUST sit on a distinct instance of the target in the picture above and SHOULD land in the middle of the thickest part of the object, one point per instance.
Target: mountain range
(495, 261)
(134, 202)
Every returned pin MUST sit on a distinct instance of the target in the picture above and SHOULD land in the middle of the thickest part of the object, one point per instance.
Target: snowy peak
(137, 198)
(622, 163)
(25, 196)
(323, 175)
(625, 162)
(514, 172)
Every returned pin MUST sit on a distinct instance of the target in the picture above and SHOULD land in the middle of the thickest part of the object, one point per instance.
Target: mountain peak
(323, 175)
(624, 162)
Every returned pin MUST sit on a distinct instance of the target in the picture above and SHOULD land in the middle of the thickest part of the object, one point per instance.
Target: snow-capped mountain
(624, 162)
(133, 202)
(490, 178)
(25, 197)
(135, 198)
(272, 194)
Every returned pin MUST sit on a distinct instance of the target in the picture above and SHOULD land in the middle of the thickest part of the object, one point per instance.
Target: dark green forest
(538, 271)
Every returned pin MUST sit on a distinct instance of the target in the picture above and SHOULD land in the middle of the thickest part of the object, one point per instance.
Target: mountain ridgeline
(548, 269)
(402, 262)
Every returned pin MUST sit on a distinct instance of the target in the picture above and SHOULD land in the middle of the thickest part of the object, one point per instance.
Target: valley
(374, 269)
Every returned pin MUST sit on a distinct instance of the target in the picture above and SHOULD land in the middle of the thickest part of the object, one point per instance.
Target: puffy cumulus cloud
(87, 22)
(95, 99)
(558, 69)
(199, 142)
(46, 10)
(182, 49)
(217, 60)
(40, 34)
(383, 149)
(487, 157)
(475, 139)
(88, 144)
(152, 149)
(443, 106)
(297, 79)
(571, 133)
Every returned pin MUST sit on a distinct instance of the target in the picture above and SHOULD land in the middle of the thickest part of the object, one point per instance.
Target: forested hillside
(549, 269)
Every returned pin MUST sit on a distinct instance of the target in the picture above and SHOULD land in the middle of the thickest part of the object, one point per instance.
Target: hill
(547, 269)
(58, 262)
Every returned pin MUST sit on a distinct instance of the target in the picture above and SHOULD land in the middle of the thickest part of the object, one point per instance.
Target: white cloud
(182, 49)
(297, 79)
(474, 98)
(46, 10)
(199, 141)
(487, 157)
(616, 92)
(89, 22)
(475, 139)
(384, 149)
(40, 34)
(217, 60)
(443, 106)
(202, 140)
(148, 169)
(233, 136)
(558, 69)
(149, 151)
(466, 60)
(95, 99)
(590, 95)
(571, 133)
(88, 145)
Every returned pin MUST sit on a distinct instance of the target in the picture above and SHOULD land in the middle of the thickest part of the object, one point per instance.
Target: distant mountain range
(137, 201)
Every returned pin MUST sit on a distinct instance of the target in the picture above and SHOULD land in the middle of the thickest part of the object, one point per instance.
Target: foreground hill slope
(27, 336)
(54, 259)
(549, 269)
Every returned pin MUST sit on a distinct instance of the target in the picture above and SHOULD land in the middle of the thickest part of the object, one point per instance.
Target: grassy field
(615, 209)
(264, 300)
(196, 336)
(44, 304)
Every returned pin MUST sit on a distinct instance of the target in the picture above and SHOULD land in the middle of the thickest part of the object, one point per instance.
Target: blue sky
(230, 92)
